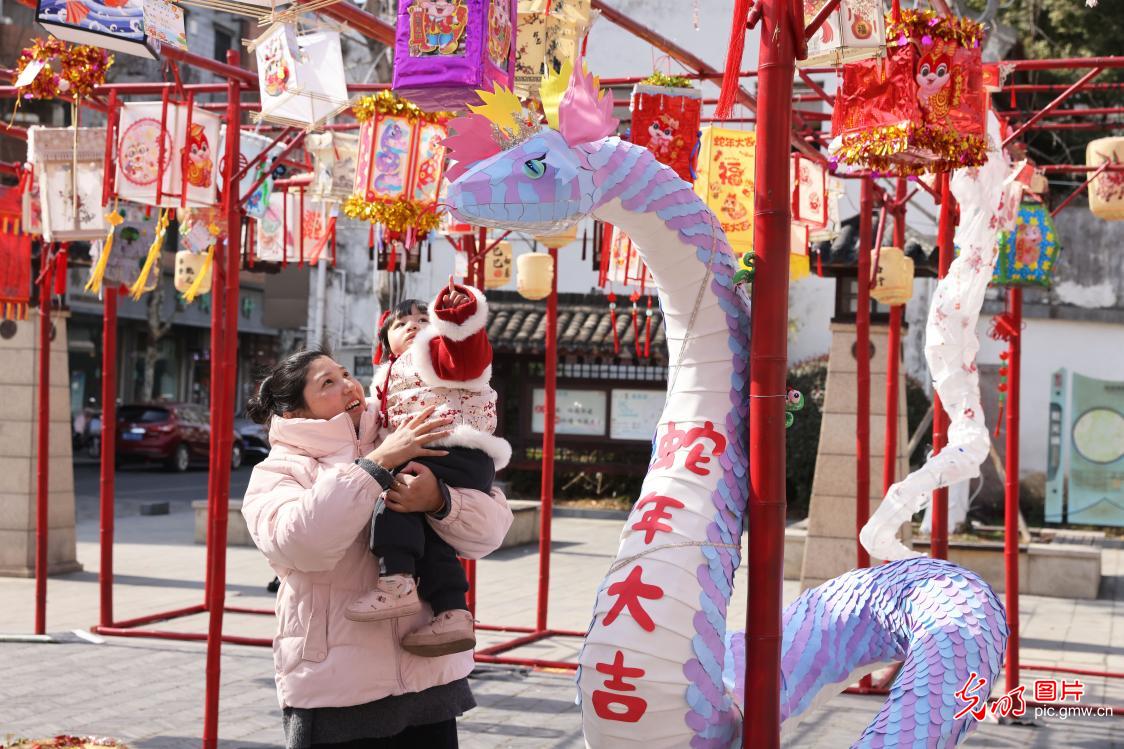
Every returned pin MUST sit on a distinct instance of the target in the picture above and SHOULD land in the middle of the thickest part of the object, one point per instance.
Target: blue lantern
(1028, 254)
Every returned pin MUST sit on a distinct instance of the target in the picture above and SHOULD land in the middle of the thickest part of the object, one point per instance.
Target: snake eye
(535, 168)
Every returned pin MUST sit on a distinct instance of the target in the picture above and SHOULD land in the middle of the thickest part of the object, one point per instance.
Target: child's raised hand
(455, 297)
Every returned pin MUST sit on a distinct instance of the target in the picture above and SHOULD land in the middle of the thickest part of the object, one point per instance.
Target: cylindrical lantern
(300, 76)
(922, 108)
(665, 120)
(1106, 192)
(725, 182)
(400, 164)
(68, 166)
(497, 266)
(853, 31)
(334, 156)
(1028, 254)
(188, 267)
(809, 192)
(167, 156)
(535, 273)
(566, 25)
(445, 50)
(893, 278)
(294, 229)
(559, 239)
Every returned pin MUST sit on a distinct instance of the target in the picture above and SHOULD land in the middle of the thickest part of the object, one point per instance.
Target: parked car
(255, 439)
(177, 434)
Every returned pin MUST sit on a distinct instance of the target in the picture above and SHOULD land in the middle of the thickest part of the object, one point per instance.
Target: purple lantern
(445, 50)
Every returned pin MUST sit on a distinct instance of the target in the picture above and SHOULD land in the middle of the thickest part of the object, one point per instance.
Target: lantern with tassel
(15, 250)
(167, 155)
(567, 23)
(548, 34)
(200, 230)
(853, 31)
(1028, 254)
(921, 109)
(334, 156)
(68, 165)
(1106, 191)
(400, 164)
(300, 76)
(725, 182)
(135, 27)
(534, 275)
(445, 50)
(295, 229)
(665, 120)
(624, 265)
(893, 276)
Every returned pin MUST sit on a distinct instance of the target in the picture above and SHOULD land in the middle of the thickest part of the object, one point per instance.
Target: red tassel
(60, 272)
(730, 80)
(635, 297)
(378, 349)
(613, 322)
(648, 330)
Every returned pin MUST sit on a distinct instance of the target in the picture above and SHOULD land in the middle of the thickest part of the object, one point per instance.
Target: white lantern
(624, 265)
(855, 30)
(1106, 192)
(293, 230)
(831, 229)
(189, 265)
(809, 192)
(893, 277)
(167, 158)
(300, 76)
(535, 275)
(559, 239)
(69, 165)
(334, 157)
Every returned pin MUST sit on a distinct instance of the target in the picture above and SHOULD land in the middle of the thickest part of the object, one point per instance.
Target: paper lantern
(1028, 254)
(566, 25)
(31, 206)
(665, 120)
(831, 229)
(534, 276)
(445, 50)
(294, 229)
(893, 276)
(15, 257)
(300, 76)
(624, 264)
(809, 192)
(189, 266)
(400, 165)
(250, 146)
(497, 266)
(167, 157)
(558, 239)
(1106, 192)
(135, 27)
(922, 108)
(68, 164)
(334, 156)
(725, 182)
(547, 35)
(853, 31)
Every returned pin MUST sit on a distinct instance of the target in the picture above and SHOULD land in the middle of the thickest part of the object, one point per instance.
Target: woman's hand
(411, 440)
(416, 490)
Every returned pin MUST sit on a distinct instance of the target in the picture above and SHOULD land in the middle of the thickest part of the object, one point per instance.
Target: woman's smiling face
(330, 390)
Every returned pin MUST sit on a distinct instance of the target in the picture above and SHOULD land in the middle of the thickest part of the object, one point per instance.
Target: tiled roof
(518, 326)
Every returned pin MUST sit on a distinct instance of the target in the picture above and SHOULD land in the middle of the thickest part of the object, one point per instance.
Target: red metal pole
(862, 378)
(546, 508)
(1077, 86)
(1011, 487)
(222, 407)
(893, 357)
(42, 456)
(768, 360)
(938, 540)
(108, 451)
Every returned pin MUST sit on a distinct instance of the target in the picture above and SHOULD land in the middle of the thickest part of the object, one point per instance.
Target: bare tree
(158, 327)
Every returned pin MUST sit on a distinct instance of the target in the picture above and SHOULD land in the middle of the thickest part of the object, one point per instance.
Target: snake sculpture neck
(658, 668)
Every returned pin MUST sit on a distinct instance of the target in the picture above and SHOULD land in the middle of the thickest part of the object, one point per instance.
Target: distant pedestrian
(308, 506)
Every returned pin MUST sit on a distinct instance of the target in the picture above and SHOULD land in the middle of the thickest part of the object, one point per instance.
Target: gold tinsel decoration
(385, 102)
(915, 25)
(667, 81)
(81, 68)
(877, 148)
(398, 215)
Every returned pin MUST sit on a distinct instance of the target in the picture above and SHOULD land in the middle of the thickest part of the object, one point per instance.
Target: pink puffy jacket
(307, 508)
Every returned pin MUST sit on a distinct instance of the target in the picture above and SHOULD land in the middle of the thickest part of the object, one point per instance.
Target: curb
(589, 514)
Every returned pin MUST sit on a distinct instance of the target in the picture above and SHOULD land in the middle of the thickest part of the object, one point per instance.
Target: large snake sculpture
(653, 664)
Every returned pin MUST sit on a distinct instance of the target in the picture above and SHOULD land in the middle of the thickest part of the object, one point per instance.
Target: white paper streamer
(989, 201)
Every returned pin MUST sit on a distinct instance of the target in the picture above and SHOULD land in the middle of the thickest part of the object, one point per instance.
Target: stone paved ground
(150, 692)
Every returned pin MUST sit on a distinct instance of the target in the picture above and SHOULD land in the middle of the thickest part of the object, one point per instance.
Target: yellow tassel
(97, 274)
(196, 286)
(153, 254)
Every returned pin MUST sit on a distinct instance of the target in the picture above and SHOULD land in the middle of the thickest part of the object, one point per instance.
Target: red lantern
(921, 109)
(665, 120)
(15, 257)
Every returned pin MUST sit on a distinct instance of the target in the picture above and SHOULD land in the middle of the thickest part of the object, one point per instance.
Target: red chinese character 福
(676, 439)
(629, 592)
(1045, 690)
(967, 693)
(1074, 689)
(650, 521)
(627, 708)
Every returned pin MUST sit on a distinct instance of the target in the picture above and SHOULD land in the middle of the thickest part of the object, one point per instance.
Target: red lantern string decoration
(62, 71)
(921, 109)
(15, 257)
(666, 115)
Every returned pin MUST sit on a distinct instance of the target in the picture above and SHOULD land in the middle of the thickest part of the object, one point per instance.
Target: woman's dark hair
(282, 390)
(405, 308)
